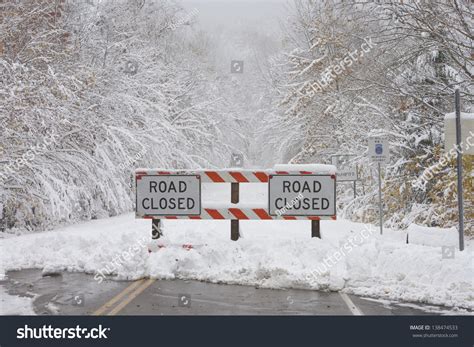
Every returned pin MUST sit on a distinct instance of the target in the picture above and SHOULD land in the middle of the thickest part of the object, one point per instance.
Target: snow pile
(273, 254)
(86, 247)
(427, 236)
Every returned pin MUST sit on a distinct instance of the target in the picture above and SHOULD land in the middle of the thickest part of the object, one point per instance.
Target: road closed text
(306, 204)
(302, 195)
(168, 195)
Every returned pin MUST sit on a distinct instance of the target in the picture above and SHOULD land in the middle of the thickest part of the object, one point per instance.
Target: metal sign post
(379, 152)
(380, 199)
(355, 189)
(459, 167)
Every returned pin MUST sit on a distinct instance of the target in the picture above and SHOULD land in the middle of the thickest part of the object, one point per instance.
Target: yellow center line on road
(100, 311)
(132, 296)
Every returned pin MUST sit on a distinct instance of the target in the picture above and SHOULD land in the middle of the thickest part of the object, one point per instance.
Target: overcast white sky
(213, 14)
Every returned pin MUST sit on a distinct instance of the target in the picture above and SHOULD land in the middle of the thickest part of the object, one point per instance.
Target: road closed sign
(168, 195)
(302, 195)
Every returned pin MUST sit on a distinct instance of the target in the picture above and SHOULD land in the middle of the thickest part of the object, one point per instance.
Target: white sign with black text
(173, 195)
(379, 150)
(302, 195)
(346, 170)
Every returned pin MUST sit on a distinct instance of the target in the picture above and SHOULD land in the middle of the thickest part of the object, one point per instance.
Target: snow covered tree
(353, 70)
(92, 90)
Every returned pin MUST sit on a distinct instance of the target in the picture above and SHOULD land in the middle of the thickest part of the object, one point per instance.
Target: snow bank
(350, 257)
(428, 236)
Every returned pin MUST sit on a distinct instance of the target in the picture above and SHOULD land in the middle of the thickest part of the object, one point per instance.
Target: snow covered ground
(350, 257)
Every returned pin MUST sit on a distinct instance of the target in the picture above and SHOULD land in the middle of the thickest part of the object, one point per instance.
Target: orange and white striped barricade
(292, 195)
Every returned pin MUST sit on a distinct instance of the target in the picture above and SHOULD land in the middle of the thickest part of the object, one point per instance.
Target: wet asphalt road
(79, 294)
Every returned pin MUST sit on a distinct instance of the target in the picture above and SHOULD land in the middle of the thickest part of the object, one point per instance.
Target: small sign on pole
(379, 152)
(346, 169)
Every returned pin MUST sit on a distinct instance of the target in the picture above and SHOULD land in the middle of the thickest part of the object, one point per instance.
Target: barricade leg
(234, 230)
(234, 223)
(156, 229)
(316, 228)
